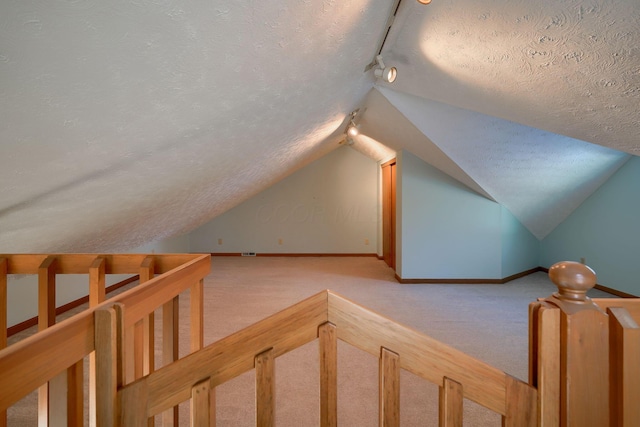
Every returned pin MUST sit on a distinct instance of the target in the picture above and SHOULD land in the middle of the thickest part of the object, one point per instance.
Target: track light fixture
(352, 130)
(388, 74)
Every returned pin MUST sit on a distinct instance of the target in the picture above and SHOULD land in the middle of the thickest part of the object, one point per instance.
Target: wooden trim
(614, 292)
(19, 327)
(469, 281)
(521, 274)
(448, 281)
(276, 254)
(389, 163)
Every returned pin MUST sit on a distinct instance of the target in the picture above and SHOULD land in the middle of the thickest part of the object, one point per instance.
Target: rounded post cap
(573, 280)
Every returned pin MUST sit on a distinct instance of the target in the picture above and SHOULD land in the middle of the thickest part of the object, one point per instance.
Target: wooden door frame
(388, 170)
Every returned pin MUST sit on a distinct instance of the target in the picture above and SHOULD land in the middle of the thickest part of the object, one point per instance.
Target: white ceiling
(126, 122)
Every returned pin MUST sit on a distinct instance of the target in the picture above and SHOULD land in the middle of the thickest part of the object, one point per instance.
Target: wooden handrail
(420, 354)
(631, 305)
(565, 328)
(80, 263)
(37, 359)
(320, 315)
(229, 357)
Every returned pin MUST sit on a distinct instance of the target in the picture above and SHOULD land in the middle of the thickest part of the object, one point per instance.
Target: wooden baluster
(49, 413)
(389, 388)
(170, 349)
(109, 335)
(135, 352)
(265, 388)
(97, 294)
(3, 320)
(451, 402)
(47, 293)
(521, 404)
(75, 394)
(3, 303)
(544, 360)
(148, 326)
(139, 338)
(196, 302)
(200, 400)
(197, 315)
(148, 329)
(625, 368)
(328, 375)
(584, 347)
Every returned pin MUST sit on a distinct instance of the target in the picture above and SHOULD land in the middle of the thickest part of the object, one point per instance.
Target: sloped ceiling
(571, 67)
(125, 122)
(541, 177)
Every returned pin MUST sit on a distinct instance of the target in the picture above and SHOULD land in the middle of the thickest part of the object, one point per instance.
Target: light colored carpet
(488, 322)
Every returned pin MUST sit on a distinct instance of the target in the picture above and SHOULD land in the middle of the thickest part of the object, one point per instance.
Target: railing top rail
(35, 360)
(632, 305)
(80, 263)
(233, 355)
(420, 354)
(356, 325)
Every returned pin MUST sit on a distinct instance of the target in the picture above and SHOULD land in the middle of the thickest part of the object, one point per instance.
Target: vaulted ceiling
(125, 122)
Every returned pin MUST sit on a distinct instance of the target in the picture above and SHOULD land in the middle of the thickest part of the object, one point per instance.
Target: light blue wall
(445, 230)
(329, 206)
(605, 230)
(520, 248)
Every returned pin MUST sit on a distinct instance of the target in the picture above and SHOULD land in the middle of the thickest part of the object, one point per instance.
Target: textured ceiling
(570, 67)
(539, 176)
(125, 122)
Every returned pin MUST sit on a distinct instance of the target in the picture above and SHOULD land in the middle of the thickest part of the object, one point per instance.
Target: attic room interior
(265, 129)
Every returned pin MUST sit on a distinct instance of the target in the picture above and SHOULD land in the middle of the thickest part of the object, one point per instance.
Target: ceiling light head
(353, 130)
(424, 1)
(388, 74)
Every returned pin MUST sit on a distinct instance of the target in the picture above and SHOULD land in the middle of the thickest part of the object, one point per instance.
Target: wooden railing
(584, 354)
(328, 317)
(51, 360)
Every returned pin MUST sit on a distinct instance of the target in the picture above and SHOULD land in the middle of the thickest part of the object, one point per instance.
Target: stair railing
(584, 354)
(326, 316)
(51, 360)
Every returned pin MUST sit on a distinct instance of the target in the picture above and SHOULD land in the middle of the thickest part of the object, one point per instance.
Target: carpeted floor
(488, 322)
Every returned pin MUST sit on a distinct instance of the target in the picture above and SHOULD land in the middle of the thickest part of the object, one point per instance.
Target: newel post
(584, 347)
